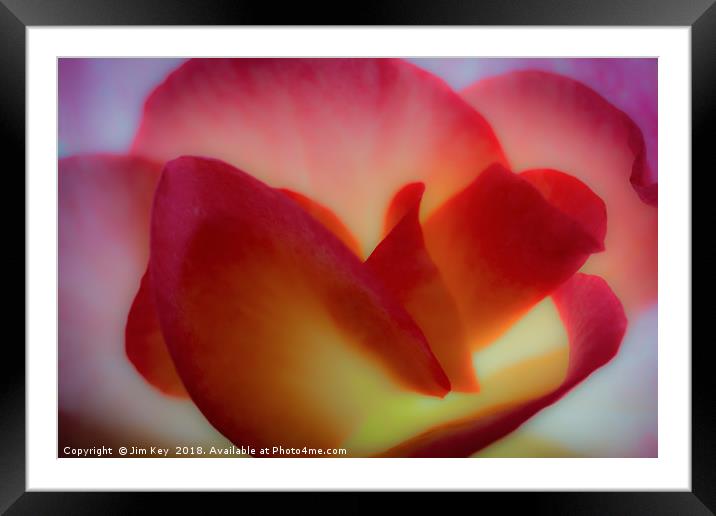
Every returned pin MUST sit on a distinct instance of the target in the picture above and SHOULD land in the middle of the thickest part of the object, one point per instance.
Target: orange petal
(279, 333)
(501, 247)
(544, 120)
(349, 131)
(405, 268)
(595, 323)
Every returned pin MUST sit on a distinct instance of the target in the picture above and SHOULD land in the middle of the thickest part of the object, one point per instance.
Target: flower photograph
(357, 257)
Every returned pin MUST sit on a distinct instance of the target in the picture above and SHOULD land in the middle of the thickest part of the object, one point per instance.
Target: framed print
(403, 257)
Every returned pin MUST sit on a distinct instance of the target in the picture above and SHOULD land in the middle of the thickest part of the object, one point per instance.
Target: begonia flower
(346, 253)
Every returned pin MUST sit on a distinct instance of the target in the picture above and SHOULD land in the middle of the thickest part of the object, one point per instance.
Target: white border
(672, 470)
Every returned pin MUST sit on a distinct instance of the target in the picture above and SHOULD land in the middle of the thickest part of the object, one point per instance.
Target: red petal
(545, 120)
(146, 348)
(573, 198)
(501, 247)
(327, 218)
(279, 333)
(595, 323)
(403, 201)
(402, 263)
(348, 131)
(145, 344)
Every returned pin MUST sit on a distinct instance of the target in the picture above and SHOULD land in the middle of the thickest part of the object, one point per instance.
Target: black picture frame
(17, 15)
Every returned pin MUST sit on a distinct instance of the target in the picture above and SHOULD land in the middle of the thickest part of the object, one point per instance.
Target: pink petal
(349, 132)
(104, 209)
(548, 121)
